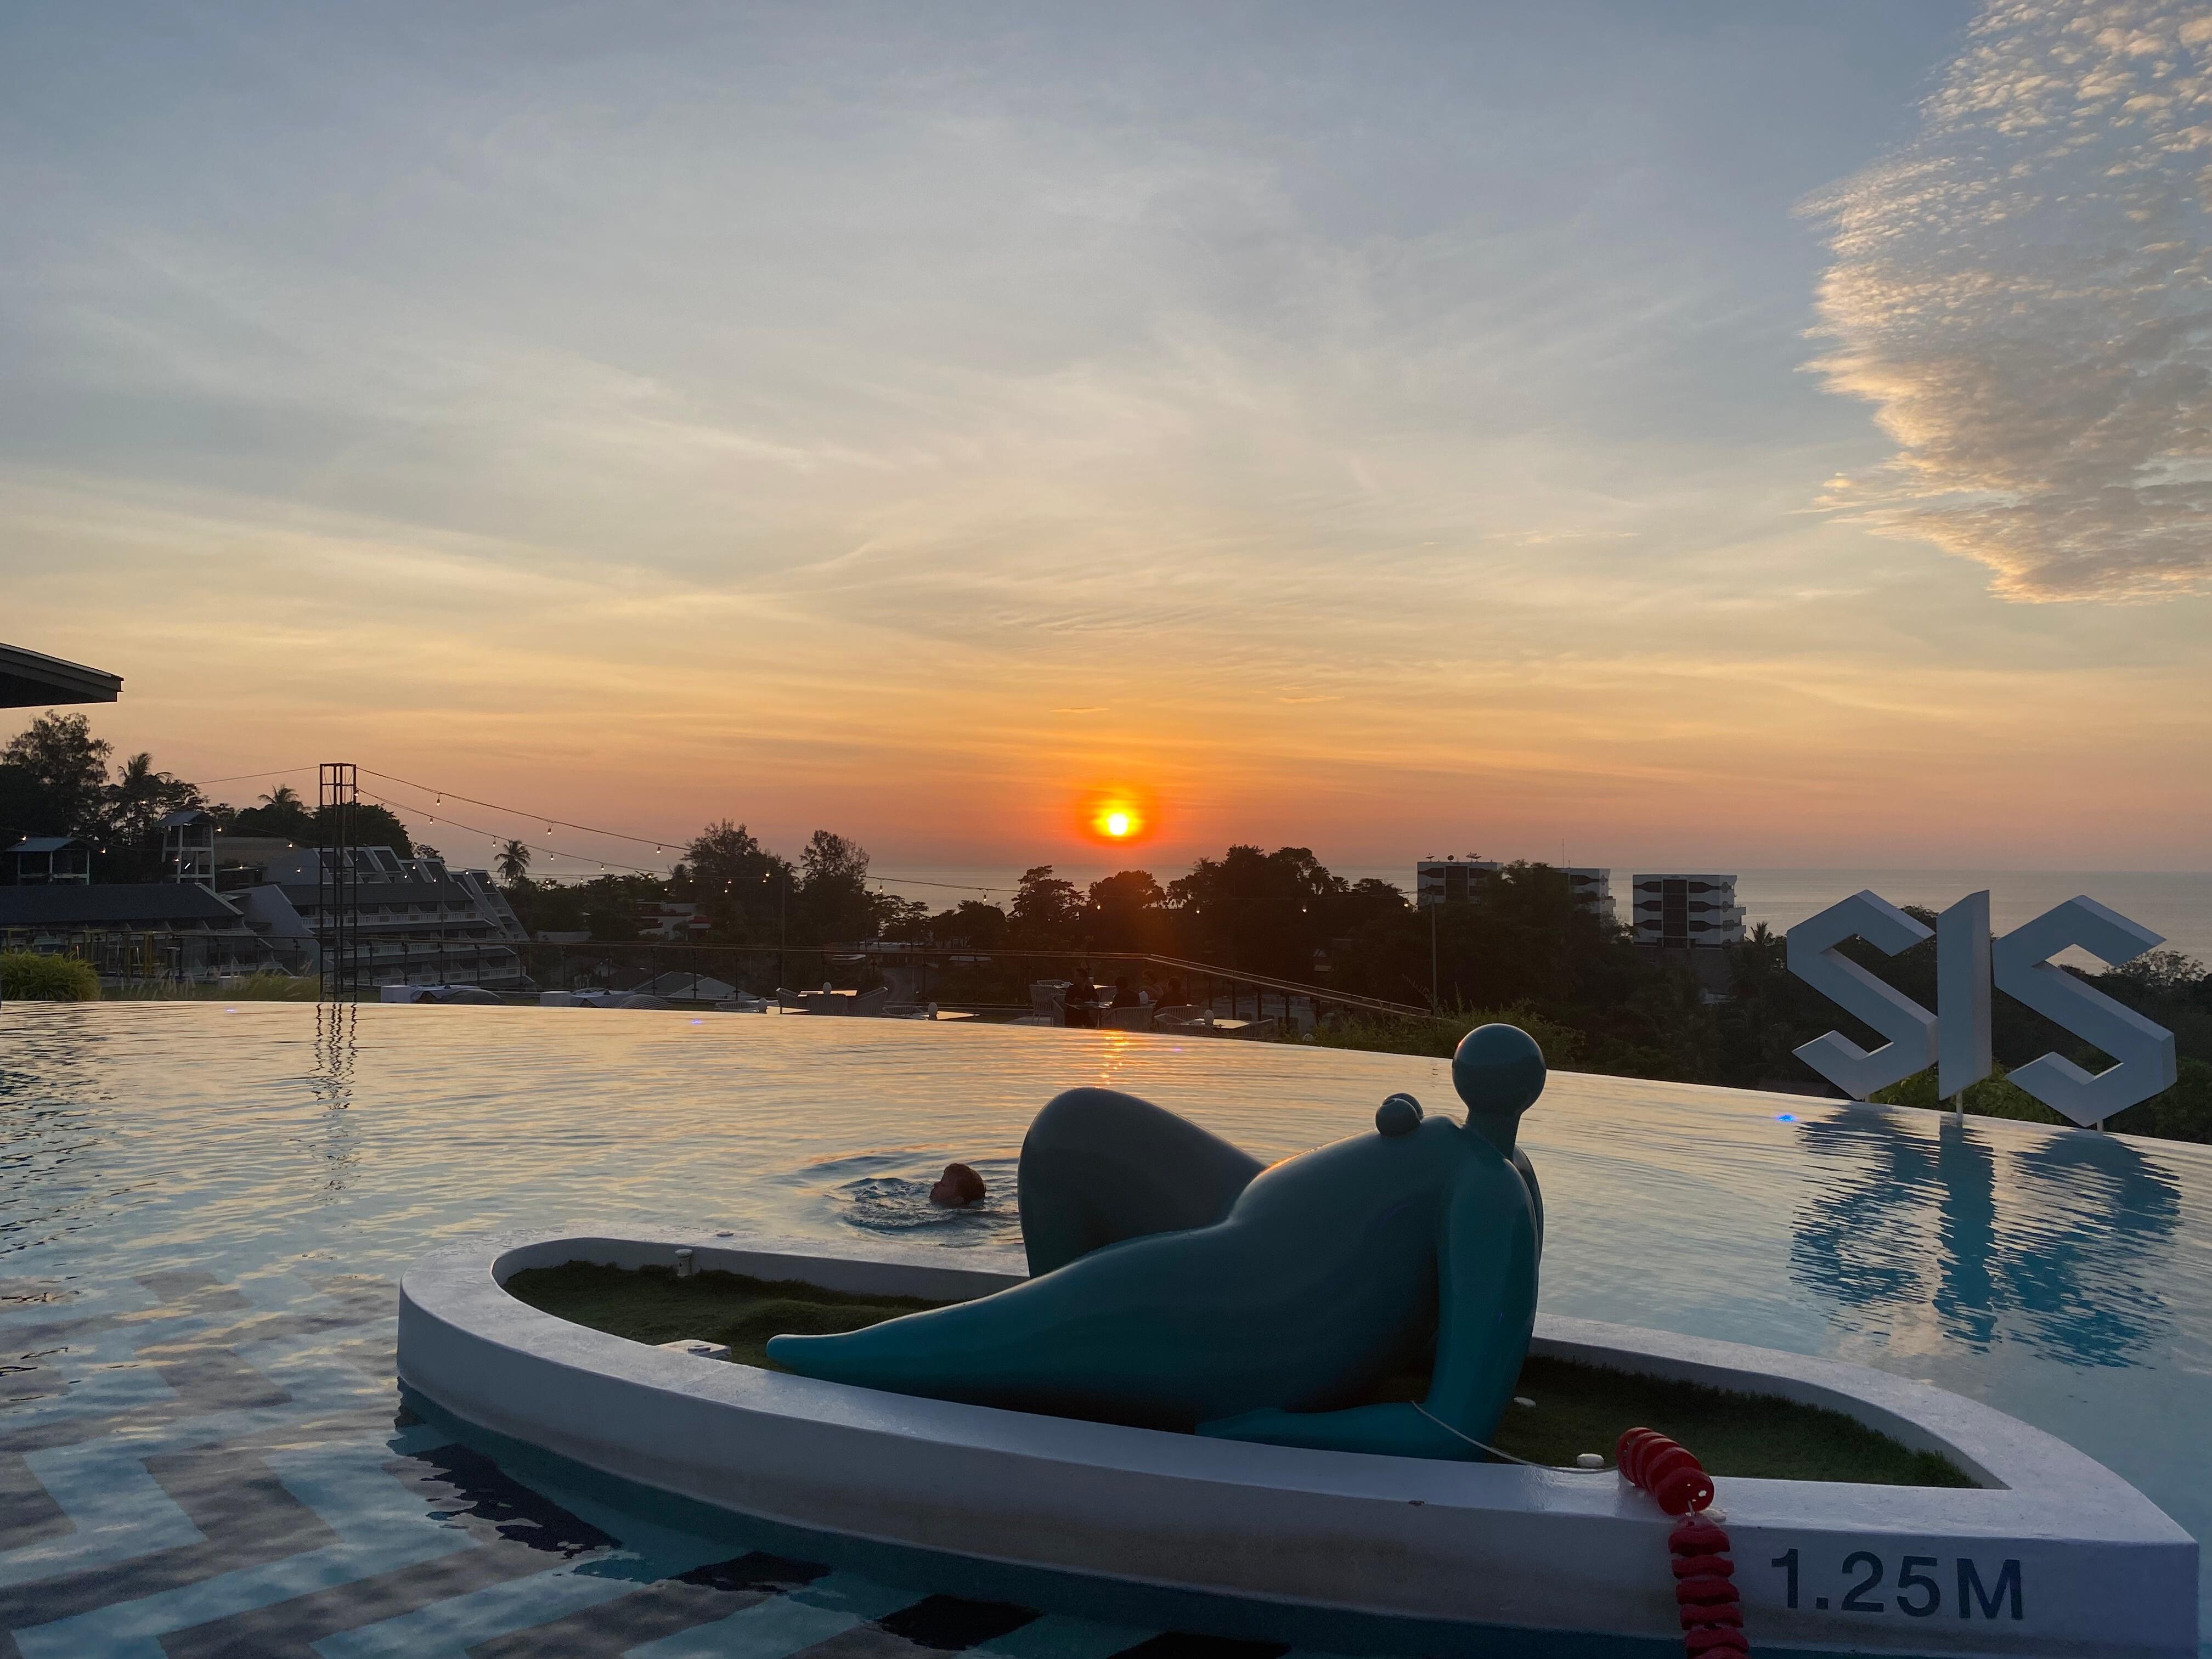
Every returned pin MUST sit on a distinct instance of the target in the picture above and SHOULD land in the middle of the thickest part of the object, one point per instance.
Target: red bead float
(1705, 1575)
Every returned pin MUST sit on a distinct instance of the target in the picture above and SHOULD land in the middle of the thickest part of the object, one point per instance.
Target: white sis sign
(1955, 1040)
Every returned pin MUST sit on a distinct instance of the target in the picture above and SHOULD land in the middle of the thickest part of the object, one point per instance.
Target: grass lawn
(1578, 1408)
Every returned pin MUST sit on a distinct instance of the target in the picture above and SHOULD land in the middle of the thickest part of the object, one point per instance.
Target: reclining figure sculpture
(1177, 1283)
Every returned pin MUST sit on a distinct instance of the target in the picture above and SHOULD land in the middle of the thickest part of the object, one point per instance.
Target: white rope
(1557, 1468)
(1471, 1440)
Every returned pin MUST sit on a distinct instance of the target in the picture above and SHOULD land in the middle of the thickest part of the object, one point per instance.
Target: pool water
(205, 1212)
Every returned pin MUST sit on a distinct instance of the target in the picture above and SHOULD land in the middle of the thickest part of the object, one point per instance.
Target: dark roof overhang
(29, 679)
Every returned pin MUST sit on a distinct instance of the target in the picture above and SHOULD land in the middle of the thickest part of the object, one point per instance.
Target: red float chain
(1704, 1577)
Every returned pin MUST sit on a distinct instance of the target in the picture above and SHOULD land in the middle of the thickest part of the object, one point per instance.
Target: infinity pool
(205, 1212)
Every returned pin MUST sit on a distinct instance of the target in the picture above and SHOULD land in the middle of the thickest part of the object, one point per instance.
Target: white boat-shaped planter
(2052, 1555)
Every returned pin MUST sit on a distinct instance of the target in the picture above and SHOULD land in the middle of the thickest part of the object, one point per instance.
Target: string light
(659, 846)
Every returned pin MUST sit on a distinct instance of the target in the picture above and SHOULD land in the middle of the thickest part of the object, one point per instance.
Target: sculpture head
(1399, 1114)
(1498, 1071)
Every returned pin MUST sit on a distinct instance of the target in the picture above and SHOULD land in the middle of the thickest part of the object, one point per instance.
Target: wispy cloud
(909, 423)
(2023, 294)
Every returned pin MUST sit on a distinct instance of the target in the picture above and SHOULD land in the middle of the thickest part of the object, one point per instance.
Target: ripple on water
(901, 1204)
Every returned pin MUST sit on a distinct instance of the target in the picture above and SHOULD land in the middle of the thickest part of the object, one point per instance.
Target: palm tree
(282, 812)
(514, 863)
(141, 796)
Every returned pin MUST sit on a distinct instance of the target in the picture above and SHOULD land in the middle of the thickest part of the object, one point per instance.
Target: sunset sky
(1695, 435)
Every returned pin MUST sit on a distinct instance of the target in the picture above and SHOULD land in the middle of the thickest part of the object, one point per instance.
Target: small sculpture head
(1498, 1071)
(1401, 1114)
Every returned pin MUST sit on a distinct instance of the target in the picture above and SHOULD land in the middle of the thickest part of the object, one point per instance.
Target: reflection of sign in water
(1968, 962)
(1904, 1234)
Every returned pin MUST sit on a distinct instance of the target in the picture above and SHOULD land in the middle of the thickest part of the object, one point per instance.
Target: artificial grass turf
(1578, 1408)
(652, 1304)
(1583, 1408)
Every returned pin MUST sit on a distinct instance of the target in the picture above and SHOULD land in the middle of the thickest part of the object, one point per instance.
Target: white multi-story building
(1678, 912)
(417, 922)
(1594, 887)
(1450, 880)
(1455, 880)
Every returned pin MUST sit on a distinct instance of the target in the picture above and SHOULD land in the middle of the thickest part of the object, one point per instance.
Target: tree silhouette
(282, 812)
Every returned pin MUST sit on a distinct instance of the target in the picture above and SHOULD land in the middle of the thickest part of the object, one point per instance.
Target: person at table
(1175, 996)
(1125, 995)
(1082, 1000)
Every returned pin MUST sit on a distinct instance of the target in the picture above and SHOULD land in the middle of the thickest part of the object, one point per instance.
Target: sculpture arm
(1535, 1196)
(1486, 1302)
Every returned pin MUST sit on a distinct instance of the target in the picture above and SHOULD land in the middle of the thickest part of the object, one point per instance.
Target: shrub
(2182, 1113)
(1995, 1095)
(265, 988)
(27, 977)
(262, 987)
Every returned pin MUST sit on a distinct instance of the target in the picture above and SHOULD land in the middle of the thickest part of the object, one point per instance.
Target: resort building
(1450, 880)
(1593, 887)
(670, 922)
(418, 923)
(49, 860)
(146, 930)
(1683, 912)
(188, 846)
(1455, 881)
(239, 859)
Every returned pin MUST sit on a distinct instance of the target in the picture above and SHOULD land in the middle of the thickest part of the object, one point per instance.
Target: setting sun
(1116, 818)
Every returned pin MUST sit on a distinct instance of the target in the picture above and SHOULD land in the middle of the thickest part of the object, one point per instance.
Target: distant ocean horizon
(2175, 902)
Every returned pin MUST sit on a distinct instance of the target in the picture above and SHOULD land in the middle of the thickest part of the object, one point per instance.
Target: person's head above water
(1498, 1071)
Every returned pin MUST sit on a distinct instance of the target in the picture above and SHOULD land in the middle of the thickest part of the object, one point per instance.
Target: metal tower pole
(338, 898)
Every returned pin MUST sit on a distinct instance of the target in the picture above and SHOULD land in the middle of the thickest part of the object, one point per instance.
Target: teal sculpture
(1178, 1284)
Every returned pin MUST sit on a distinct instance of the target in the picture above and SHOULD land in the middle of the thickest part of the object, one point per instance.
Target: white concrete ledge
(2091, 1566)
